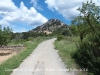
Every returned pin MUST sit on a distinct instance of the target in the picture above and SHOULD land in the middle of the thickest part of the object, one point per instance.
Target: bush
(88, 54)
(60, 37)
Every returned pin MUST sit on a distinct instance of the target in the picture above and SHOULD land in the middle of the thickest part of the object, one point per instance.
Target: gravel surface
(44, 60)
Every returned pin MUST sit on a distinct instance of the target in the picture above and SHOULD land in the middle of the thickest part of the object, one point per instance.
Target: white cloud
(67, 8)
(23, 31)
(2, 14)
(2, 22)
(35, 4)
(11, 13)
(7, 5)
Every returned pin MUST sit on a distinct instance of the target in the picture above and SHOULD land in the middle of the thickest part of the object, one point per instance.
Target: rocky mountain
(51, 26)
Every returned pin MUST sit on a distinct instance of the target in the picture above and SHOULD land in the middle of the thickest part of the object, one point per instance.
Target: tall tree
(90, 13)
(5, 35)
(88, 23)
(89, 19)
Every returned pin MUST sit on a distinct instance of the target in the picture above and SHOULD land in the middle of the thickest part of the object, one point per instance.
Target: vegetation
(26, 36)
(88, 21)
(66, 48)
(60, 37)
(5, 35)
(87, 26)
(85, 52)
(29, 39)
(15, 61)
(88, 54)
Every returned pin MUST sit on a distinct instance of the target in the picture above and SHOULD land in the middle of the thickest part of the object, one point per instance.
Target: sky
(24, 15)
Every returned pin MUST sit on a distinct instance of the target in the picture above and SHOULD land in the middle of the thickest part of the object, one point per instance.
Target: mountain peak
(50, 26)
(54, 19)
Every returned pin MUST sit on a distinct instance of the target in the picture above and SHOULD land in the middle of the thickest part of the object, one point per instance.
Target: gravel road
(44, 60)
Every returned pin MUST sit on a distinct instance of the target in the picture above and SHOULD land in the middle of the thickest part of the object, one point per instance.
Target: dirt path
(44, 60)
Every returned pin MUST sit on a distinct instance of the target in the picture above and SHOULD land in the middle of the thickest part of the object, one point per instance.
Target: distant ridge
(51, 26)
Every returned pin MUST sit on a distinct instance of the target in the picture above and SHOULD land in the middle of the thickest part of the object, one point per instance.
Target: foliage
(91, 15)
(66, 48)
(26, 36)
(5, 35)
(66, 32)
(18, 37)
(88, 21)
(60, 37)
(88, 54)
(74, 29)
(62, 31)
(88, 25)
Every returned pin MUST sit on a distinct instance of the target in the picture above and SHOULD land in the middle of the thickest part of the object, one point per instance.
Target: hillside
(51, 26)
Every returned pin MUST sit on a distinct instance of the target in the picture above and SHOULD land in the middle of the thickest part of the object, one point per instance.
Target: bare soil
(4, 55)
(7, 52)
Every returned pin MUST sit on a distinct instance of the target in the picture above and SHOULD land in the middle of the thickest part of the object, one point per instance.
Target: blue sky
(24, 15)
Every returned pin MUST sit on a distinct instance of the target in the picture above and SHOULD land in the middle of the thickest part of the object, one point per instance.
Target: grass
(15, 61)
(66, 48)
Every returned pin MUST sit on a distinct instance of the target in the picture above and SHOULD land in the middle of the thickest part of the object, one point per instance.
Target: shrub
(88, 54)
(60, 37)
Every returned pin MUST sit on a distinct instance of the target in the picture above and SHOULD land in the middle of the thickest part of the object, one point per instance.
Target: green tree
(90, 15)
(74, 29)
(79, 27)
(0, 35)
(88, 23)
(5, 35)
(18, 37)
